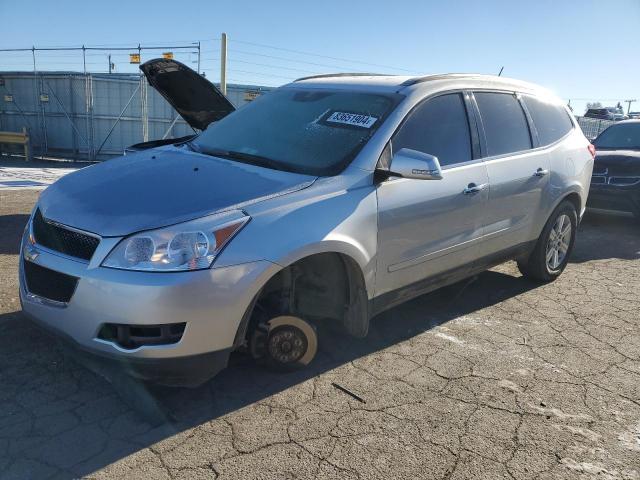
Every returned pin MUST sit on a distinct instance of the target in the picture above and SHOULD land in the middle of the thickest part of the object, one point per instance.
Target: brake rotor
(291, 342)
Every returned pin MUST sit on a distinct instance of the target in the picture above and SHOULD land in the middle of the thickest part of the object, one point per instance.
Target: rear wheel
(551, 253)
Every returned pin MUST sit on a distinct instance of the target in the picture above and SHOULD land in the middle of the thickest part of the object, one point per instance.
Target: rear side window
(551, 120)
(438, 127)
(505, 125)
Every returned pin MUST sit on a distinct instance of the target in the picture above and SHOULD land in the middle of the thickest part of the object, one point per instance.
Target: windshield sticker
(350, 119)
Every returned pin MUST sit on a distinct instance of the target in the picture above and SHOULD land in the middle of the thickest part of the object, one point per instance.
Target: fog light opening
(135, 336)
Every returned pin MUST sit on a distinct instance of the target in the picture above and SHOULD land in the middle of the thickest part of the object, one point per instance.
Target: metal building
(92, 116)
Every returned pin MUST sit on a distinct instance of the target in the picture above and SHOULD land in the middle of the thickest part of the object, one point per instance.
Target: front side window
(505, 125)
(551, 120)
(438, 127)
(621, 136)
(310, 131)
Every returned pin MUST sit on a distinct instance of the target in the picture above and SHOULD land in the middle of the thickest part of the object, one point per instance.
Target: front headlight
(191, 245)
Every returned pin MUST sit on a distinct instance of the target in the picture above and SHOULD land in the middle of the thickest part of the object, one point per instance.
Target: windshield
(620, 136)
(316, 132)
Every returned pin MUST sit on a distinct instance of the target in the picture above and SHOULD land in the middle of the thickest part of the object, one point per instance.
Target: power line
(101, 46)
(279, 67)
(300, 52)
(246, 82)
(264, 74)
(275, 57)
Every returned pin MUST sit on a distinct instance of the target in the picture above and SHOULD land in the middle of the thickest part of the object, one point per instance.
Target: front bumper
(211, 302)
(614, 197)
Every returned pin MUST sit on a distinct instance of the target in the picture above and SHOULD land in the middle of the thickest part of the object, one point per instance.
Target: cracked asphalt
(497, 377)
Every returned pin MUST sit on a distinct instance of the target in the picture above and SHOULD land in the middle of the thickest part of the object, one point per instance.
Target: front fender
(343, 222)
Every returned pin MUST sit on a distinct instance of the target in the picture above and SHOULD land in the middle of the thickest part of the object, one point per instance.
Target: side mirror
(408, 163)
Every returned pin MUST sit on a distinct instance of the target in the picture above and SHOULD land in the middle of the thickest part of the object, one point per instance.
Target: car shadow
(603, 236)
(11, 227)
(60, 413)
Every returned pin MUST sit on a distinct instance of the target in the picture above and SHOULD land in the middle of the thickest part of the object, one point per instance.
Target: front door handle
(541, 172)
(472, 188)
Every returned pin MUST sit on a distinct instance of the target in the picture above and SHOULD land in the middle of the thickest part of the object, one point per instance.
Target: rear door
(429, 228)
(518, 173)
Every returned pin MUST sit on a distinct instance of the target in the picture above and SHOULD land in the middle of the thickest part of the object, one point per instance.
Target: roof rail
(438, 76)
(329, 75)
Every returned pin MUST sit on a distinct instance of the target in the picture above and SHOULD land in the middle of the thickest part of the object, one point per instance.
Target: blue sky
(582, 49)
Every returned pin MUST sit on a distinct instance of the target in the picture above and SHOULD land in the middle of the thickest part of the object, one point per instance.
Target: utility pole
(629, 102)
(223, 64)
(199, 72)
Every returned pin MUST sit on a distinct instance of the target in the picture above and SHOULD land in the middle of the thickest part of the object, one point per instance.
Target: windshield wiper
(192, 146)
(250, 158)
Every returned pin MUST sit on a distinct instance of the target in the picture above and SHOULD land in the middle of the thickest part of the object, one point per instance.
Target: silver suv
(330, 199)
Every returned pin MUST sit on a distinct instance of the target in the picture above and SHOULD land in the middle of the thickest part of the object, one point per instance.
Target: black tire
(536, 266)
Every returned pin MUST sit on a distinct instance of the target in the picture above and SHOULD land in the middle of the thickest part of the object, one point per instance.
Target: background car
(615, 184)
(606, 113)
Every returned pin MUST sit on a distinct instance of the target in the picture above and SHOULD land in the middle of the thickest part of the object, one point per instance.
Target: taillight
(592, 150)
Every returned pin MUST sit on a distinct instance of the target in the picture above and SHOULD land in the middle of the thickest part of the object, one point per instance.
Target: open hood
(195, 98)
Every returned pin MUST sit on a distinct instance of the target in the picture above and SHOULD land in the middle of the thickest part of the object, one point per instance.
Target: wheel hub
(287, 344)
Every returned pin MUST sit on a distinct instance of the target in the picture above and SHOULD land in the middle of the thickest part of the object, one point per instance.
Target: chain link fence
(85, 116)
(592, 127)
(92, 116)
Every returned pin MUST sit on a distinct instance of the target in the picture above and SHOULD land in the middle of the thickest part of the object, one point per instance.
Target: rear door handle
(541, 172)
(472, 188)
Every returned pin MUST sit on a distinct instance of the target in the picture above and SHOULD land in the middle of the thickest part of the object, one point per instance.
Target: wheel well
(320, 287)
(576, 200)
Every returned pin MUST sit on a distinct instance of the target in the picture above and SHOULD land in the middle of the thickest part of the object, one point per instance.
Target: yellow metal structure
(18, 138)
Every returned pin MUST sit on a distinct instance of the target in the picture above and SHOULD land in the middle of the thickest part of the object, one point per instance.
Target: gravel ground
(494, 378)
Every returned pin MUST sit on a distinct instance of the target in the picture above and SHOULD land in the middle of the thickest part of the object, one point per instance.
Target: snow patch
(583, 432)
(474, 321)
(14, 178)
(451, 338)
(509, 385)
(631, 439)
(556, 412)
(600, 471)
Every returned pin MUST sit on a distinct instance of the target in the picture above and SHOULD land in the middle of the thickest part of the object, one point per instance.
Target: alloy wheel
(558, 243)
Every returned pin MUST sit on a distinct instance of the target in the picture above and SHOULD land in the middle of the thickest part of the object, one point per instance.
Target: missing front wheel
(285, 342)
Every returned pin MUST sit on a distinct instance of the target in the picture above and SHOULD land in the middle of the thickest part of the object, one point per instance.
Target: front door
(429, 229)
